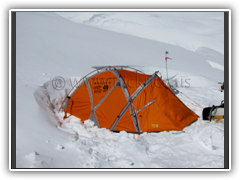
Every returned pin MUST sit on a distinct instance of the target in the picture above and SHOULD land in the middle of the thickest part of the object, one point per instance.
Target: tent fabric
(122, 100)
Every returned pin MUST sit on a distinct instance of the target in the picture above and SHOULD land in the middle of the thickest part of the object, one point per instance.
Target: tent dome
(124, 100)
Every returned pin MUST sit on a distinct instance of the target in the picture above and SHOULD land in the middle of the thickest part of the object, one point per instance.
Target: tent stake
(65, 115)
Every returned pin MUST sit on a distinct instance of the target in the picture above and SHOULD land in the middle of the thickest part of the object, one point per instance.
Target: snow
(191, 30)
(216, 65)
(49, 45)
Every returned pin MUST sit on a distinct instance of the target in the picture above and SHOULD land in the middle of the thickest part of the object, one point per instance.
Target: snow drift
(190, 30)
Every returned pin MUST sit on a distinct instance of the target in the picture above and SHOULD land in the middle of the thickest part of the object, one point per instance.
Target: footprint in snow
(124, 163)
(38, 161)
(60, 147)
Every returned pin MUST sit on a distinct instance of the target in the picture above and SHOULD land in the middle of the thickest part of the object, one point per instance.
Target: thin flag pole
(166, 58)
(166, 66)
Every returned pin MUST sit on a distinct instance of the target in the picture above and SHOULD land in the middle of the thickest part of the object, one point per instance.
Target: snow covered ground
(49, 45)
(189, 30)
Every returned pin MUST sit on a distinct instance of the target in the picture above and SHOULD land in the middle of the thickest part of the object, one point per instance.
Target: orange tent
(123, 100)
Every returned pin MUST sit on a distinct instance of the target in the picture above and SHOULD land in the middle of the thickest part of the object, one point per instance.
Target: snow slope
(49, 46)
(190, 30)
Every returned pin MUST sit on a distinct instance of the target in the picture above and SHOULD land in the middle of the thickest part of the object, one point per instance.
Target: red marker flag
(166, 58)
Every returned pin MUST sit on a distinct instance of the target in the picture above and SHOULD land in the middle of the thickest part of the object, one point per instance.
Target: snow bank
(199, 145)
